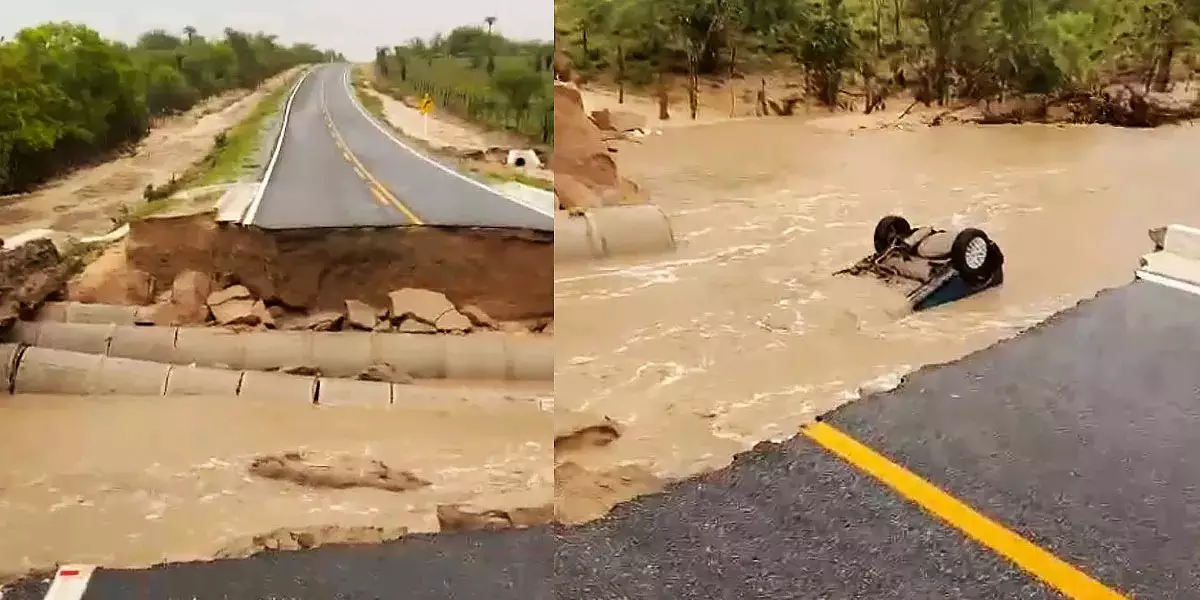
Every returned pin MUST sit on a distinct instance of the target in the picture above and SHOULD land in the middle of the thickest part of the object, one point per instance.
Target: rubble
(189, 297)
(456, 518)
(29, 275)
(337, 472)
(477, 316)
(361, 315)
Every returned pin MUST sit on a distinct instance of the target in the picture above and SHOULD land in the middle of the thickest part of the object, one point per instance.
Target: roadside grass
(228, 159)
(370, 102)
(363, 84)
(505, 174)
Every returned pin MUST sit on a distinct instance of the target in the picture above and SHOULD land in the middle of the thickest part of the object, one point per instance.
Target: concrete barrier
(491, 356)
(1177, 263)
(29, 370)
(612, 231)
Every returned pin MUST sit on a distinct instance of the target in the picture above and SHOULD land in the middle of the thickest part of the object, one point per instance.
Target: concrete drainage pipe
(612, 231)
(29, 370)
(490, 356)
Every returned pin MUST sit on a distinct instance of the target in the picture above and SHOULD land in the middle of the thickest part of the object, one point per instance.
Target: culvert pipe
(479, 356)
(32, 370)
(612, 231)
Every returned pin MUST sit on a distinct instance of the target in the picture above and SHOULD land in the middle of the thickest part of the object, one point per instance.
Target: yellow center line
(1060, 575)
(378, 190)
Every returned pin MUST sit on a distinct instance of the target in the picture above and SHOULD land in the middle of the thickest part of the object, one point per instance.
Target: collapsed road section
(1023, 470)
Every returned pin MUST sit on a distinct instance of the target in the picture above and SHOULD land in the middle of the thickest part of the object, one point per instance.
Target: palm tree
(190, 32)
(491, 61)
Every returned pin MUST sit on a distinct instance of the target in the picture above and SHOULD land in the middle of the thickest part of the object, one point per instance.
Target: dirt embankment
(585, 174)
(507, 275)
(781, 94)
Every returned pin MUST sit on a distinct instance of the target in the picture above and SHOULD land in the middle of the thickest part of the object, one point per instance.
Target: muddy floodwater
(122, 481)
(742, 334)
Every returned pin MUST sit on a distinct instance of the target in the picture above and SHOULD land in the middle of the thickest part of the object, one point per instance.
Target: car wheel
(889, 230)
(974, 255)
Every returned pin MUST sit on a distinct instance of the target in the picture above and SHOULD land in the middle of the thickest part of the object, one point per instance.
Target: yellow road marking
(378, 191)
(378, 196)
(1068, 580)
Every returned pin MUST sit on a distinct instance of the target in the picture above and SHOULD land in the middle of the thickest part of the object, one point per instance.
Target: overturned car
(940, 266)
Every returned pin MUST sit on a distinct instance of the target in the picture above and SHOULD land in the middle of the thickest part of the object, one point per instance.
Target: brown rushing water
(742, 335)
(124, 481)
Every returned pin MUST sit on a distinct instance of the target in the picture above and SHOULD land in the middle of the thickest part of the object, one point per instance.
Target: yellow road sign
(426, 105)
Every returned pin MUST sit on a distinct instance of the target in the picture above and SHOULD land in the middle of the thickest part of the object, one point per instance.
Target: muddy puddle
(743, 335)
(134, 481)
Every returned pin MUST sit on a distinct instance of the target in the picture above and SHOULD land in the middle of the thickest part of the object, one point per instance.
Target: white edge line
(70, 587)
(1184, 228)
(252, 209)
(1171, 282)
(392, 136)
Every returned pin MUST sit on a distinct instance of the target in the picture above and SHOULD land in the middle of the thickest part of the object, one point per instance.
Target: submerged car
(940, 266)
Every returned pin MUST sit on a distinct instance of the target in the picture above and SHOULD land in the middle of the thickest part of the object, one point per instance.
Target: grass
(464, 90)
(362, 83)
(369, 101)
(510, 175)
(225, 162)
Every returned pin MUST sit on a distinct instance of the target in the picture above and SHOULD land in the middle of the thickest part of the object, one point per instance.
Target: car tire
(974, 255)
(890, 229)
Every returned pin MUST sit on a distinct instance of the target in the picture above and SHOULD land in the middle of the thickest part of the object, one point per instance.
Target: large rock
(424, 305)
(29, 274)
(233, 292)
(189, 296)
(361, 315)
(241, 311)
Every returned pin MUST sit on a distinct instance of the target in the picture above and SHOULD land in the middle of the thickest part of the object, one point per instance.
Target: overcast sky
(354, 27)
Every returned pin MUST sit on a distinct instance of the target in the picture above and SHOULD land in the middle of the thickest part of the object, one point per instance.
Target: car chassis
(944, 266)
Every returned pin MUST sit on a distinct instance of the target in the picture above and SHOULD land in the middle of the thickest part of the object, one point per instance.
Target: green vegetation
(937, 49)
(233, 148)
(504, 174)
(479, 75)
(226, 161)
(69, 97)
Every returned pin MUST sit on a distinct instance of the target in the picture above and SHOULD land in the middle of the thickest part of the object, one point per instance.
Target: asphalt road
(1079, 436)
(338, 167)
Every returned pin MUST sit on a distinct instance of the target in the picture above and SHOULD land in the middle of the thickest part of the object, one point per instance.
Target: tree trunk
(878, 27)
(1162, 71)
(693, 91)
(585, 43)
(620, 73)
(664, 100)
(897, 12)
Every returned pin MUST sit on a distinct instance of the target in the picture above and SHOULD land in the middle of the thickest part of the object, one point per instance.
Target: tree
(190, 32)
(518, 86)
(491, 51)
(945, 21)
(69, 96)
(827, 50)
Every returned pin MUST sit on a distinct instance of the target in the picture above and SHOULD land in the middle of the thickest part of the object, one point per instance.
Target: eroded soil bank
(507, 274)
(128, 481)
